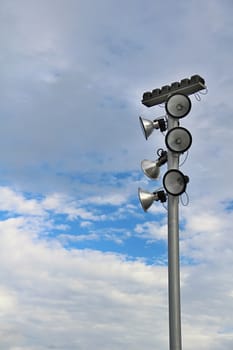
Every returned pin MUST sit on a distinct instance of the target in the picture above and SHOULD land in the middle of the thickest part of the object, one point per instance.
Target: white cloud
(85, 223)
(206, 233)
(152, 231)
(15, 202)
(8, 302)
(109, 199)
(77, 238)
(60, 203)
(102, 300)
(77, 295)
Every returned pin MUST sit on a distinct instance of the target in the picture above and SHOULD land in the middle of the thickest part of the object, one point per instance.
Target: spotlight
(178, 106)
(152, 168)
(185, 86)
(148, 126)
(147, 198)
(178, 140)
(174, 182)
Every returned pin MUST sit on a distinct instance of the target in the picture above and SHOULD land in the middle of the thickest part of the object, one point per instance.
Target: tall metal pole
(152, 98)
(173, 257)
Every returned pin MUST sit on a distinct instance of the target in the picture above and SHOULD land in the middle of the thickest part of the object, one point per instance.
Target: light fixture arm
(162, 196)
(162, 157)
(160, 124)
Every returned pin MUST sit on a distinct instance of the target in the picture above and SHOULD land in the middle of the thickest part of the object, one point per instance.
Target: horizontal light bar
(185, 86)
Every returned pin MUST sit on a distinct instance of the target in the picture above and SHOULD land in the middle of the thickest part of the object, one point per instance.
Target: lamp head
(178, 140)
(174, 182)
(146, 198)
(152, 168)
(178, 106)
(148, 126)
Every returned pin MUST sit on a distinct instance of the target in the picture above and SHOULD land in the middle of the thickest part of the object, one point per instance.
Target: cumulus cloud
(152, 231)
(53, 297)
(12, 201)
(82, 298)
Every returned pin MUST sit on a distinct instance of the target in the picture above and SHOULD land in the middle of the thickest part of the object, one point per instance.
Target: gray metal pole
(173, 257)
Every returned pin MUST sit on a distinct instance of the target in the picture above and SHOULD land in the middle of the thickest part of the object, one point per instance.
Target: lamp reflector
(147, 127)
(147, 198)
(178, 105)
(150, 168)
(178, 140)
(174, 182)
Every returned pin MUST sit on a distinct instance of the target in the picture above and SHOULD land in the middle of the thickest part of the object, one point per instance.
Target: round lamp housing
(178, 140)
(174, 182)
(178, 106)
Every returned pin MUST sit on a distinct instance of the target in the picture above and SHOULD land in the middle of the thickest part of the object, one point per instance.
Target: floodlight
(152, 168)
(148, 126)
(178, 140)
(174, 182)
(185, 86)
(147, 198)
(178, 106)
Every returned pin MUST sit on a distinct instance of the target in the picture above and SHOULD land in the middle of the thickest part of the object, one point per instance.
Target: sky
(82, 266)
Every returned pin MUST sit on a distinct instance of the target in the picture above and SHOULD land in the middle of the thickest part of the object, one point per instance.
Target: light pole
(173, 257)
(178, 140)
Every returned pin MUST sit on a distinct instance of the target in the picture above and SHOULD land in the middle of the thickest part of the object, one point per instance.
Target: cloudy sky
(81, 265)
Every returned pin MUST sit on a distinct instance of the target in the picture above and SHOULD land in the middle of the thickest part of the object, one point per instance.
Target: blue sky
(81, 265)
